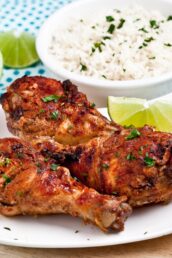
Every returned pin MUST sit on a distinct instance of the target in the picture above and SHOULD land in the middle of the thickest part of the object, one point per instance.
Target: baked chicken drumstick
(134, 162)
(38, 106)
(31, 184)
(114, 160)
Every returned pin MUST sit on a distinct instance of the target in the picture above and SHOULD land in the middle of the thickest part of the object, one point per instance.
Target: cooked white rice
(125, 44)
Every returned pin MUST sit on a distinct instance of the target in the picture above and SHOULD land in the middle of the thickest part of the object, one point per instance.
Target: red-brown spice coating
(69, 118)
(140, 168)
(104, 158)
(31, 184)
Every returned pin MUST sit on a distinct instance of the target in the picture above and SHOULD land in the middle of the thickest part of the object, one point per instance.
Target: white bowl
(97, 89)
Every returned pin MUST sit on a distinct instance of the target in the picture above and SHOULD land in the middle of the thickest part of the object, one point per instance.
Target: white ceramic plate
(63, 231)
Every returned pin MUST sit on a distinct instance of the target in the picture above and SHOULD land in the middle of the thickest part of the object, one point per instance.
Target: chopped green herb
(145, 233)
(149, 161)
(54, 115)
(7, 179)
(149, 39)
(144, 30)
(7, 228)
(83, 67)
(42, 111)
(92, 105)
(130, 156)
(121, 23)
(93, 27)
(49, 98)
(39, 167)
(128, 126)
(133, 134)
(6, 162)
(104, 76)
(54, 166)
(81, 20)
(168, 45)
(153, 24)
(111, 28)
(138, 19)
(106, 37)
(153, 57)
(98, 45)
(124, 70)
(93, 50)
(47, 159)
(109, 18)
(144, 45)
(105, 166)
(169, 18)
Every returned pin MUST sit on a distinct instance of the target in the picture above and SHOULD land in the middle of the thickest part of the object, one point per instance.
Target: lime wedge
(18, 49)
(138, 112)
(1, 63)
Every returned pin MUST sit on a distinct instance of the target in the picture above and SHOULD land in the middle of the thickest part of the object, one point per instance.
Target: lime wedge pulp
(18, 49)
(138, 112)
(1, 63)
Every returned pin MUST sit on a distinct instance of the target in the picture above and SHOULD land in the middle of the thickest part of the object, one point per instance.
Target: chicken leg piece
(39, 106)
(134, 162)
(33, 185)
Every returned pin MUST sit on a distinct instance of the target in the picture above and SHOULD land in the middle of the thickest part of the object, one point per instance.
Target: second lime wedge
(138, 112)
(18, 49)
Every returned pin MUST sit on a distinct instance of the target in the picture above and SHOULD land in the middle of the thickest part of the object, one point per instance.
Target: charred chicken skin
(31, 184)
(38, 106)
(114, 160)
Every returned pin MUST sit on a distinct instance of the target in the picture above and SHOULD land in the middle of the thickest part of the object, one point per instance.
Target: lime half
(138, 112)
(18, 49)
(1, 63)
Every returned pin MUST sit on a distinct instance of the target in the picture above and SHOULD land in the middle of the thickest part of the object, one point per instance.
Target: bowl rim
(88, 80)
